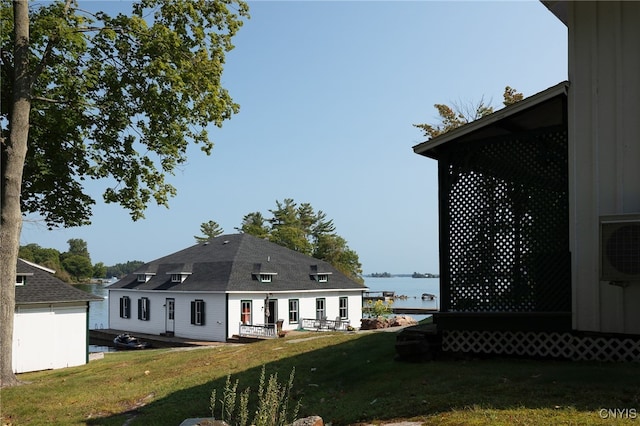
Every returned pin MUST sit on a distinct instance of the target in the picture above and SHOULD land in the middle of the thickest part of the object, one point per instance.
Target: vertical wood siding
(604, 152)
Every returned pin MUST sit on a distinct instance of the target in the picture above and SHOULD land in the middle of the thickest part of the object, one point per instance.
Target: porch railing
(326, 324)
(267, 331)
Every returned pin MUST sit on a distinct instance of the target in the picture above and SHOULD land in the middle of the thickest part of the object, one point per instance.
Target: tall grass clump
(272, 408)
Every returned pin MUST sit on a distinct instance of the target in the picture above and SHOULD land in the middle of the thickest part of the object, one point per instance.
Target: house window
(265, 278)
(320, 309)
(143, 309)
(293, 311)
(197, 312)
(344, 308)
(143, 278)
(125, 307)
(176, 278)
(245, 312)
(21, 280)
(323, 278)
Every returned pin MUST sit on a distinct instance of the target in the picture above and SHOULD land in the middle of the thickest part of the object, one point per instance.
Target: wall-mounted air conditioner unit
(620, 248)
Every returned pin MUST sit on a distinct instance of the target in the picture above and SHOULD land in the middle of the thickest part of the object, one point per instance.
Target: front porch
(272, 331)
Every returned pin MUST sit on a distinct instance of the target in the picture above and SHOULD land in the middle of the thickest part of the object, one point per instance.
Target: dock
(104, 337)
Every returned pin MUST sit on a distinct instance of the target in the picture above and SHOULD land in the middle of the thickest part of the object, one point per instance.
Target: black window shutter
(127, 307)
(139, 308)
(148, 309)
(202, 313)
(193, 312)
(121, 307)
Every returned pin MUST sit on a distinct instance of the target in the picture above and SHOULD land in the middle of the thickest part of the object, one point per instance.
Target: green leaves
(459, 115)
(118, 97)
(300, 228)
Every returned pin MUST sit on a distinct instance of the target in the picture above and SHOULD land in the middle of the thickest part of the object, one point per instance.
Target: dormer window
(319, 275)
(265, 278)
(143, 278)
(21, 280)
(178, 277)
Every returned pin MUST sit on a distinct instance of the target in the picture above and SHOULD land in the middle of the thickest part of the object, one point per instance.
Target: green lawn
(344, 378)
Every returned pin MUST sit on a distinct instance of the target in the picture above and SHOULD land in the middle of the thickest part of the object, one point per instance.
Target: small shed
(51, 321)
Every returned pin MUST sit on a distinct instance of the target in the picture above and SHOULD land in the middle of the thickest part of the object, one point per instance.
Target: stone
(309, 421)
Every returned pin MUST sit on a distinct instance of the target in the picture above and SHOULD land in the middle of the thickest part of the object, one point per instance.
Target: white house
(233, 285)
(51, 321)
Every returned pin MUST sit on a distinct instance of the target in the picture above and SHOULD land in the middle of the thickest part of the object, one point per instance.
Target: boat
(127, 341)
(428, 296)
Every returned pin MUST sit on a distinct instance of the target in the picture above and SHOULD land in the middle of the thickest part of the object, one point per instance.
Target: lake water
(98, 312)
(412, 288)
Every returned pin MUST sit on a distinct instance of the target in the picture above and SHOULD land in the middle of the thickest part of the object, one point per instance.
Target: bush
(379, 308)
(272, 405)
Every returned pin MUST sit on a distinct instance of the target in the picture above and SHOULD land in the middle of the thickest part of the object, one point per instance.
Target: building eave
(559, 8)
(426, 148)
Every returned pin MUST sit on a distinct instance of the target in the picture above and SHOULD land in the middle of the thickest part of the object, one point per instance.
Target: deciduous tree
(86, 95)
(452, 117)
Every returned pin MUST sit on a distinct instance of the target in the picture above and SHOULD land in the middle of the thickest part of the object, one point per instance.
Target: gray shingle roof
(43, 287)
(233, 263)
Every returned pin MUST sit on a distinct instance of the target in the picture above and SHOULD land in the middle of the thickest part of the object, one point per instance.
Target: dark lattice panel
(543, 344)
(506, 233)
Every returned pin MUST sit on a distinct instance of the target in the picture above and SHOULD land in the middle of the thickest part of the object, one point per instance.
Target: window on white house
(320, 308)
(197, 312)
(323, 278)
(176, 278)
(245, 312)
(265, 278)
(21, 280)
(143, 278)
(293, 311)
(344, 308)
(125, 307)
(143, 309)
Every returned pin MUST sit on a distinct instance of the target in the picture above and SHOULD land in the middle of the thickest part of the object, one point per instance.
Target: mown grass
(344, 378)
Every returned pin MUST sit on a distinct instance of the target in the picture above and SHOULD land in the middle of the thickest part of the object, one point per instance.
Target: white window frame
(294, 311)
(244, 303)
(343, 307)
(143, 313)
(265, 278)
(321, 308)
(198, 312)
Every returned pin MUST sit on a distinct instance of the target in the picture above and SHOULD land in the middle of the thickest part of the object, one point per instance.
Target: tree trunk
(13, 157)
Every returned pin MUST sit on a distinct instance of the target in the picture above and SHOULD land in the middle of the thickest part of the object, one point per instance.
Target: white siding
(50, 336)
(604, 152)
(212, 330)
(306, 307)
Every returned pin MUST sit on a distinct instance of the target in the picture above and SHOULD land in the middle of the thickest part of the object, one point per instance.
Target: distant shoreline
(414, 275)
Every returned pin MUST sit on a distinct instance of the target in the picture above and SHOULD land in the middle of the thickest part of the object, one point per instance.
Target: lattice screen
(556, 345)
(506, 232)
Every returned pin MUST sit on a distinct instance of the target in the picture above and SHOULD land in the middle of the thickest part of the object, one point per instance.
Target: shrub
(272, 405)
(379, 308)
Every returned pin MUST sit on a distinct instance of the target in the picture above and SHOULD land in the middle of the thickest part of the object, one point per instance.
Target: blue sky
(328, 93)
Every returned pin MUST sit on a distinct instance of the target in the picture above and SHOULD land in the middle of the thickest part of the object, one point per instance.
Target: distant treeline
(74, 265)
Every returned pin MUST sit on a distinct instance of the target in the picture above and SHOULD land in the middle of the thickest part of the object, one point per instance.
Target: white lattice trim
(545, 344)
